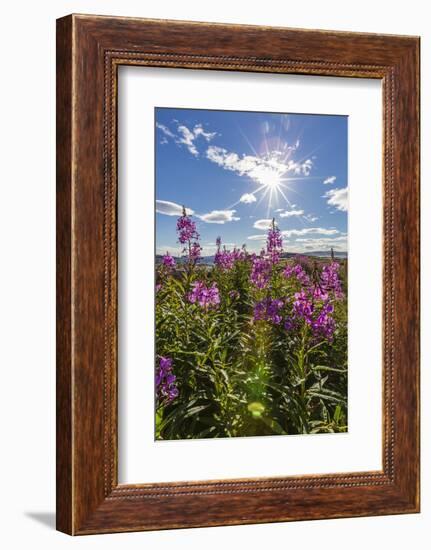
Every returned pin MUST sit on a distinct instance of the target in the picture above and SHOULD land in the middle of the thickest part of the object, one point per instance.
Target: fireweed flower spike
(205, 297)
(330, 280)
(315, 309)
(195, 251)
(166, 386)
(298, 272)
(186, 229)
(168, 261)
(225, 259)
(260, 271)
(268, 310)
(274, 243)
(188, 236)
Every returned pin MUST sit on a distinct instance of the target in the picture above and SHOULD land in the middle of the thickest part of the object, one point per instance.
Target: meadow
(253, 345)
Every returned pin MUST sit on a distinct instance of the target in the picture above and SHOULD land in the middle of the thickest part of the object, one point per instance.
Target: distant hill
(209, 260)
(324, 254)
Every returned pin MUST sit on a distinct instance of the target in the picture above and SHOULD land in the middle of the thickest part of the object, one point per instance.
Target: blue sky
(237, 170)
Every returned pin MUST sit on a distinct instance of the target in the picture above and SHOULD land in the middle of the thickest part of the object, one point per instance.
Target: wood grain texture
(64, 497)
(90, 49)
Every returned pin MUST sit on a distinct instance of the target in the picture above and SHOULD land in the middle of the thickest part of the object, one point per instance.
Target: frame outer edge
(64, 367)
(407, 269)
(81, 506)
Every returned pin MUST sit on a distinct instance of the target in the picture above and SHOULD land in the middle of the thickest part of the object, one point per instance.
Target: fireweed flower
(314, 308)
(206, 297)
(303, 306)
(260, 271)
(324, 324)
(195, 251)
(319, 294)
(225, 259)
(289, 324)
(186, 229)
(274, 243)
(330, 280)
(168, 261)
(268, 310)
(188, 236)
(298, 272)
(166, 381)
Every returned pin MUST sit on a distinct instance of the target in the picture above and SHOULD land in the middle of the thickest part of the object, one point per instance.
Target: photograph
(251, 273)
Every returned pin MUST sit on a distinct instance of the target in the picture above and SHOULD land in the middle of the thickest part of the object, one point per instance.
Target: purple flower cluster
(319, 293)
(303, 306)
(225, 259)
(298, 272)
(316, 310)
(206, 297)
(324, 324)
(330, 280)
(274, 243)
(195, 251)
(260, 271)
(186, 229)
(166, 385)
(268, 310)
(188, 235)
(168, 261)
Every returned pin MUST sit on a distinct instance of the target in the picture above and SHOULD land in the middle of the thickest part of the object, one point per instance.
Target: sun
(270, 179)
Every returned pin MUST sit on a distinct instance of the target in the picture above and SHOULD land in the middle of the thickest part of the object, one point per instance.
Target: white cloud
(289, 213)
(337, 243)
(219, 216)
(187, 139)
(329, 180)
(305, 167)
(172, 250)
(186, 136)
(337, 198)
(332, 240)
(262, 224)
(176, 251)
(262, 169)
(165, 130)
(171, 208)
(199, 131)
(309, 231)
(247, 198)
(261, 237)
(311, 218)
(309, 244)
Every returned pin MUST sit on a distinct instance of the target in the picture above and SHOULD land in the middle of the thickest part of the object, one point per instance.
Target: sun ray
(270, 168)
(284, 196)
(263, 196)
(248, 141)
(250, 193)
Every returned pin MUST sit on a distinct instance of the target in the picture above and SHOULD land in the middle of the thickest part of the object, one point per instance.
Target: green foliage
(237, 376)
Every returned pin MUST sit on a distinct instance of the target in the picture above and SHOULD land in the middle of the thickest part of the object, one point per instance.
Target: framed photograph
(237, 274)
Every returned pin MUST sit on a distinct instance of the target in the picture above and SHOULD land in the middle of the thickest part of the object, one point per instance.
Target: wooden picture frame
(89, 51)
